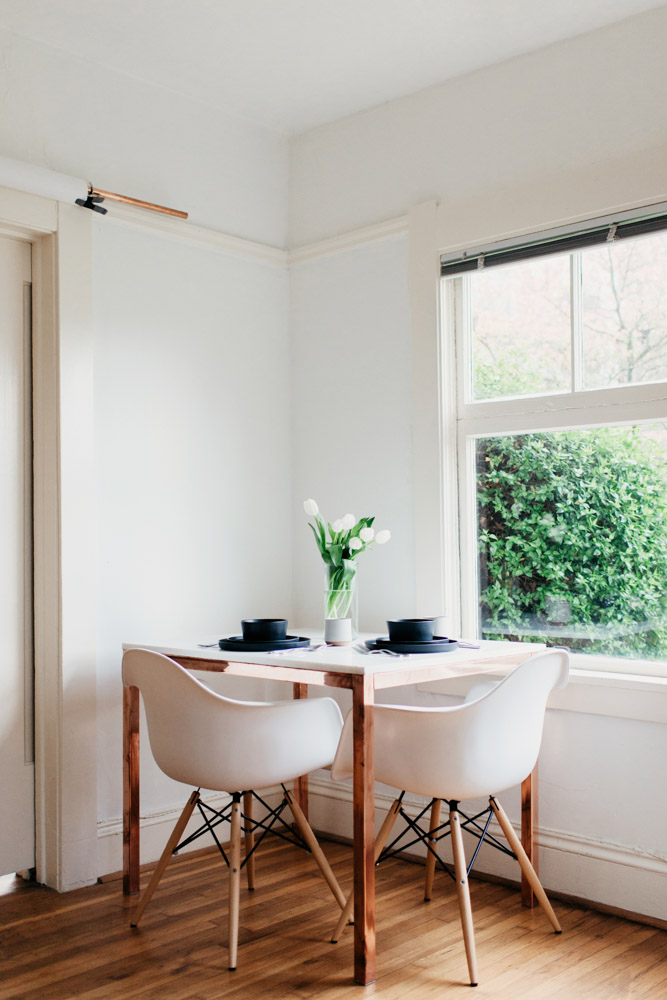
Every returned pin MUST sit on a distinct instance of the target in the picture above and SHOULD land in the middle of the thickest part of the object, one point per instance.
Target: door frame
(64, 535)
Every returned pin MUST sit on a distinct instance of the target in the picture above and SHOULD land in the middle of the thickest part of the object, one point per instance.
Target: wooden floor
(80, 944)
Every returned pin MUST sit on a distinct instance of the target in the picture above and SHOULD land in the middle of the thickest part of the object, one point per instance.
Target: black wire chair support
(400, 844)
(430, 838)
(212, 818)
(208, 826)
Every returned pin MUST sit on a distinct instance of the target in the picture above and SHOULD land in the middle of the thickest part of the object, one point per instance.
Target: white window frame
(570, 410)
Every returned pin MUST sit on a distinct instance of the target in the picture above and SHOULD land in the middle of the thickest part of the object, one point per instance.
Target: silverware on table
(358, 647)
(297, 649)
(361, 647)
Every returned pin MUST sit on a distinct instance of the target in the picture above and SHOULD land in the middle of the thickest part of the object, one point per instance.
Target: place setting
(409, 635)
(264, 635)
(405, 637)
(340, 543)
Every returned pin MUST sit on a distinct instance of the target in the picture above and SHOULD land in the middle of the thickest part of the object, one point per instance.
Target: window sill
(621, 696)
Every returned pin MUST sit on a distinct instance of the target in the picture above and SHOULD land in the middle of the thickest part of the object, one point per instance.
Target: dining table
(363, 673)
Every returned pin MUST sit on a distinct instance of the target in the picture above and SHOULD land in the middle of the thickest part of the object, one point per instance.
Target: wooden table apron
(363, 687)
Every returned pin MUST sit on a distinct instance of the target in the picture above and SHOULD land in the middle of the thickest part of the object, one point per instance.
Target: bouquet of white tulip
(347, 538)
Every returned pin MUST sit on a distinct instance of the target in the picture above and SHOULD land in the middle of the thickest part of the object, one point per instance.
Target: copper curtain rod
(98, 193)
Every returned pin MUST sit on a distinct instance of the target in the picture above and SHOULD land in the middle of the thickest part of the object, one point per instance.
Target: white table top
(341, 659)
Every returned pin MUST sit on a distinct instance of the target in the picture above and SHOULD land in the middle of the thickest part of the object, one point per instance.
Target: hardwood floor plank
(79, 945)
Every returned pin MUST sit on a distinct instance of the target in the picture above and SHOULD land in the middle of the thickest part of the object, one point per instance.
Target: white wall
(193, 369)
(572, 131)
(570, 107)
(193, 456)
(351, 421)
(191, 379)
(123, 135)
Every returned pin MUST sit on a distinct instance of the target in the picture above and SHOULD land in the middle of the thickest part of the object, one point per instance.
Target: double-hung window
(560, 345)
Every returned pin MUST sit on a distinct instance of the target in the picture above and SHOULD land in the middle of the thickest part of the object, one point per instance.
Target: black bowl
(411, 629)
(264, 629)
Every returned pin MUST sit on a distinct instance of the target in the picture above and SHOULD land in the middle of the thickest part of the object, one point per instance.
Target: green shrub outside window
(572, 530)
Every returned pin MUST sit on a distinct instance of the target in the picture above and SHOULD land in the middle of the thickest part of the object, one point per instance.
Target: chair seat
(204, 740)
(488, 743)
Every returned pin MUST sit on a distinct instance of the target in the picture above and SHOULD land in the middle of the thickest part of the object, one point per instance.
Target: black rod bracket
(93, 202)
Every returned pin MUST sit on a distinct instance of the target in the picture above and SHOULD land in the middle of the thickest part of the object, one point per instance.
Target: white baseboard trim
(614, 875)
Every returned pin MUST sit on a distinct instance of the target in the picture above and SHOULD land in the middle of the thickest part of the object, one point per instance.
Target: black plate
(439, 644)
(238, 642)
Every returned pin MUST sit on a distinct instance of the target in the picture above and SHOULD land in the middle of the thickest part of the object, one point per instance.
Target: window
(561, 354)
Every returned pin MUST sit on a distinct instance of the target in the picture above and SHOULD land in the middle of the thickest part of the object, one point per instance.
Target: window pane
(572, 532)
(625, 312)
(520, 320)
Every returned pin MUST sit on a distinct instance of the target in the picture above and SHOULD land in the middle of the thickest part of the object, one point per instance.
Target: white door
(17, 780)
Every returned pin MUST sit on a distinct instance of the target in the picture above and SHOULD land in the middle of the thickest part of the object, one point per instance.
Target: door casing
(64, 535)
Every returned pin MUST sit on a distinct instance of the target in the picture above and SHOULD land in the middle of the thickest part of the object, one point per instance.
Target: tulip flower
(346, 538)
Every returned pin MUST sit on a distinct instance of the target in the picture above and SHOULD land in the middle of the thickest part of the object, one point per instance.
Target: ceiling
(295, 64)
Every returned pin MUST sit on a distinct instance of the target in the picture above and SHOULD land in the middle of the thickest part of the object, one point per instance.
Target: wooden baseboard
(179, 859)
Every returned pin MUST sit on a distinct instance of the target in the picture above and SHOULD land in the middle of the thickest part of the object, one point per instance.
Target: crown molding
(188, 232)
(219, 242)
(389, 230)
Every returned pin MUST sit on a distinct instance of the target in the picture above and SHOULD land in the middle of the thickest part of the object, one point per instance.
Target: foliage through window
(573, 539)
(562, 422)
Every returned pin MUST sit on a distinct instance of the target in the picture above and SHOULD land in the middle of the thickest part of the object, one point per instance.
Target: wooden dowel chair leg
(310, 839)
(249, 839)
(430, 858)
(524, 861)
(234, 880)
(165, 857)
(463, 890)
(380, 841)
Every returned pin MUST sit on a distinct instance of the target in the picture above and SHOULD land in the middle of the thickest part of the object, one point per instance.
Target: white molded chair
(208, 741)
(481, 747)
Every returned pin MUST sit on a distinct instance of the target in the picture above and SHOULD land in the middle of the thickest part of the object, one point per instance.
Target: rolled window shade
(41, 181)
(545, 245)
